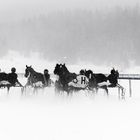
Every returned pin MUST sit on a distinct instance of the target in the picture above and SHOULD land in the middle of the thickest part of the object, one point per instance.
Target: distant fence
(129, 77)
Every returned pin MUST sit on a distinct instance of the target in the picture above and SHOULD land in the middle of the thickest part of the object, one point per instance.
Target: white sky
(12, 9)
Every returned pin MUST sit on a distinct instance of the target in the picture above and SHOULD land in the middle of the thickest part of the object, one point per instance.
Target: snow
(83, 116)
(46, 116)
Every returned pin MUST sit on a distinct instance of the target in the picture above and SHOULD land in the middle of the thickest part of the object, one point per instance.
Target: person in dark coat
(13, 77)
(113, 78)
(46, 77)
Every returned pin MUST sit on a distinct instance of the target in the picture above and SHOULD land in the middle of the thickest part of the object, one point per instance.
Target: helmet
(112, 71)
(82, 72)
(46, 71)
(13, 69)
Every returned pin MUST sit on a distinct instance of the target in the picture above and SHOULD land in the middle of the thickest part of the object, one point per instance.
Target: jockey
(12, 77)
(81, 81)
(46, 77)
(113, 79)
(82, 72)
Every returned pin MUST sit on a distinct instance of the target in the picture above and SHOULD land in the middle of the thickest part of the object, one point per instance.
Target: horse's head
(88, 73)
(57, 69)
(115, 72)
(60, 69)
(64, 69)
(82, 72)
(28, 70)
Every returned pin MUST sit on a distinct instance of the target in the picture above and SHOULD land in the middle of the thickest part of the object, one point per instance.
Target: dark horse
(4, 82)
(64, 78)
(7, 81)
(35, 79)
(100, 80)
(95, 79)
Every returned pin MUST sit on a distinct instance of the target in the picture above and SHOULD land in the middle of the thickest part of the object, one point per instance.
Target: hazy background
(100, 32)
(82, 33)
(94, 34)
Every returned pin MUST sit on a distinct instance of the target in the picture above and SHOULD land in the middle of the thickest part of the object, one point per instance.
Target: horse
(101, 81)
(5, 81)
(95, 79)
(65, 77)
(35, 79)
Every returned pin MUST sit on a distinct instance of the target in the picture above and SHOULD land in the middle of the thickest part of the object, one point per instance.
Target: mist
(83, 34)
(100, 38)
(94, 32)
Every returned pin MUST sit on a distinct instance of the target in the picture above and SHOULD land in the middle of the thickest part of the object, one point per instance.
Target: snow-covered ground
(83, 116)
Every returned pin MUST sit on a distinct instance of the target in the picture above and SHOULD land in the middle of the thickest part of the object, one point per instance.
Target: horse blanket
(81, 81)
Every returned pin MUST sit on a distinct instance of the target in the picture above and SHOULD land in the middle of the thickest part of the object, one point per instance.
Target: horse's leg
(8, 89)
(68, 93)
(34, 90)
(119, 92)
(23, 90)
(56, 90)
(93, 89)
(122, 95)
(96, 89)
(106, 89)
(71, 91)
(67, 90)
(122, 90)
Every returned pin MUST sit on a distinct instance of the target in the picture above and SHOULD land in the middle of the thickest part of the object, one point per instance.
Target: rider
(12, 77)
(113, 79)
(82, 72)
(46, 77)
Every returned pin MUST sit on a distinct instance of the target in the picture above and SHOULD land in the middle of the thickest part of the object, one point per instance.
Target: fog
(47, 115)
(84, 115)
(84, 34)
(19, 61)
(18, 9)
(100, 38)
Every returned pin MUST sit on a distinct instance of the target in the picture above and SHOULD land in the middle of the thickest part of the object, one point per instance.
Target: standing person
(13, 77)
(46, 77)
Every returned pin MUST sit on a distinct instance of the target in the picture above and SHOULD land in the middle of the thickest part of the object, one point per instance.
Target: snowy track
(47, 116)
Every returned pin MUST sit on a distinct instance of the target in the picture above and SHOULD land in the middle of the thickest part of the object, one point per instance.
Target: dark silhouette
(3, 76)
(95, 79)
(13, 78)
(4, 81)
(64, 78)
(33, 76)
(10, 79)
(113, 78)
(82, 72)
(46, 77)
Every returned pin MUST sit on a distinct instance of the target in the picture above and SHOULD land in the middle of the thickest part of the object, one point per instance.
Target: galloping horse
(64, 78)
(35, 79)
(4, 81)
(95, 79)
(100, 80)
(7, 80)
